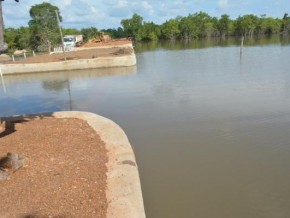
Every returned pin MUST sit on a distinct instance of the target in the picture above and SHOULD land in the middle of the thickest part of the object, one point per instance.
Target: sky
(109, 13)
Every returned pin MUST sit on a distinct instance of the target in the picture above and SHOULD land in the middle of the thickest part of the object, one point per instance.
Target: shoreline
(81, 58)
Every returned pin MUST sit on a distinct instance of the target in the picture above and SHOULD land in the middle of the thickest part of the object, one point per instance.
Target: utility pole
(3, 45)
(62, 43)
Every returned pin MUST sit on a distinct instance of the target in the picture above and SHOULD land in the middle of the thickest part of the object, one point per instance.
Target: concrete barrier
(100, 62)
(124, 195)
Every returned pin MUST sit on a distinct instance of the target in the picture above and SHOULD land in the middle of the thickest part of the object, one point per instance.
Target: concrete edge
(124, 194)
(99, 62)
(105, 46)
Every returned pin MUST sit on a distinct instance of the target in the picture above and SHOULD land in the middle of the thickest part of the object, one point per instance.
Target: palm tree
(3, 45)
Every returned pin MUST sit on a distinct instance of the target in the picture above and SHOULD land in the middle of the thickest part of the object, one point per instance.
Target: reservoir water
(210, 127)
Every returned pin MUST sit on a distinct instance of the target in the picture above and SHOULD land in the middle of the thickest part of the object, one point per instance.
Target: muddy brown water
(210, 129)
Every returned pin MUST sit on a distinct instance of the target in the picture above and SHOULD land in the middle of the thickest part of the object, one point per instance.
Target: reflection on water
(46, 92)
(218, 42)
(63, 75)
(210, 129)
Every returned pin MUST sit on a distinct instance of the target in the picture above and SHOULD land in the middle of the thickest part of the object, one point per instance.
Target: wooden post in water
(242, 45)
(62, 44)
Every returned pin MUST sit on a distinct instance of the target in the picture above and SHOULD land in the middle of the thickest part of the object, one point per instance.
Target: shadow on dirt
(7, 124)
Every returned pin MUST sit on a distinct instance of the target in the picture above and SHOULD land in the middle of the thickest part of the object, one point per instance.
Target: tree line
(42, 32)
(201, 25)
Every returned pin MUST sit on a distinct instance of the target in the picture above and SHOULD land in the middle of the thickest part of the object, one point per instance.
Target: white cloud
(147, 7)
(109, 13)
(66, 3)
(223, 4)
(121, 4)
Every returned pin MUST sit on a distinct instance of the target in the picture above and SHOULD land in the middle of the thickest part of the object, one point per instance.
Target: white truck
(70, 41)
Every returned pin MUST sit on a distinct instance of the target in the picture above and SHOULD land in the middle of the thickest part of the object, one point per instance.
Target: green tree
(22, 38)
(247, 24)
(170, 30)
(286, 24)
(71, 31)
(3, 45)
(188, 29)
(133, 26)
(223, 25)
(10, 37)
(196, 26)
(115, 33)
(17, 38)
(44, 26)
(150, 32)
(89, 33)
(268, 25)
(204, 24)
(210, 27)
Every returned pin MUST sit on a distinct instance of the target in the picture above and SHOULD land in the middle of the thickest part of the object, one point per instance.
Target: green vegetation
(201, 25)
(89, 33)
(43, 26)
(3, 45)
(42, 32)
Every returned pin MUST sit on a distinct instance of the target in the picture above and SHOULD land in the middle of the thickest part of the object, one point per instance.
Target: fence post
(24, 55)
(13, 59)
(33, 53)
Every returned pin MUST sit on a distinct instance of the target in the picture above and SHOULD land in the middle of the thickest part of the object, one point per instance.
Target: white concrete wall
(100, 62)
